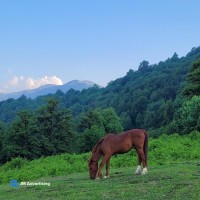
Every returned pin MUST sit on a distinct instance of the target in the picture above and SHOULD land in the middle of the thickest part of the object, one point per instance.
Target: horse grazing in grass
(113, 144)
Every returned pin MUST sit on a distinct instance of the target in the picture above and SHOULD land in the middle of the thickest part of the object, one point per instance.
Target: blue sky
(56, 41)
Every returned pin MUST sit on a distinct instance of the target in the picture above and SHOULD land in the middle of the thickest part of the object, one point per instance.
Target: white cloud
(16, 80)
(19, 83)
(34, 83)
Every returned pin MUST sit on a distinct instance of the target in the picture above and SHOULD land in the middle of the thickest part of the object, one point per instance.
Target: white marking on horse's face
(138, 170)
(145, 171)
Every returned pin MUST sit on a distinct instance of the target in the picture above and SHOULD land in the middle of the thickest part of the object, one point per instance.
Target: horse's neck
(96, 154)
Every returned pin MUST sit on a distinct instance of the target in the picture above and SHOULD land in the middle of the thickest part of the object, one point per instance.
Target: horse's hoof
(97, 178)
(144, 171)
(106, 176)
(138, 170)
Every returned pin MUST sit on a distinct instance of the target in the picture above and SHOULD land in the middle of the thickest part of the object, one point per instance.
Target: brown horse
(113, 144)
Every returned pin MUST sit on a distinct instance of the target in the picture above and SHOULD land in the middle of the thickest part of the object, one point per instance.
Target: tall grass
(164, 150)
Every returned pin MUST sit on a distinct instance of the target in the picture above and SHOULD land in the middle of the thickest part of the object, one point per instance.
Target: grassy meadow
(174, 173)
(176, 181)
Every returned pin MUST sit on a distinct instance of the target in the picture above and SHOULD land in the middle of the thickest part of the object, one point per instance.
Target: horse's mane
(97, 145)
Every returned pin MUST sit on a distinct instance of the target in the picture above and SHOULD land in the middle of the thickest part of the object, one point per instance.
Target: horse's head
(93, 168)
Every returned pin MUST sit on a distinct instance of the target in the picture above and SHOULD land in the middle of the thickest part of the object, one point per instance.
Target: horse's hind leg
(139, 167)
(141, 156)
(105, 160)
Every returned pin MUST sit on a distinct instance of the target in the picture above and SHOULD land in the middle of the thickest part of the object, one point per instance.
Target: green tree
(111, 121)
(90, 119)
(21, 140)
(56, 128)
(90, 137)
(193, 78)
(126, 121)
(187, 119)
(144, 66)
(174, 57)
(103, 118)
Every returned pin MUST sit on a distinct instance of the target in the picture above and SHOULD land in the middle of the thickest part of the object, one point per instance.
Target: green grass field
(174, 173)
(174, 181)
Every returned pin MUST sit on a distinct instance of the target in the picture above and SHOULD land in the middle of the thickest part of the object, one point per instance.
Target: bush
(15, 163)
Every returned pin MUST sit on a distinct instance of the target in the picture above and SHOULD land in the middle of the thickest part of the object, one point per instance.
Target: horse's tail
(145, 147)
(97, 145)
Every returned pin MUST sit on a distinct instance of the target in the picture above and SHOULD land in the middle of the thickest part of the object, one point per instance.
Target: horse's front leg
(105, 159)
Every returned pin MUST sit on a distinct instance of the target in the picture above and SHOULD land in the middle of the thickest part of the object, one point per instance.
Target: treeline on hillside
(51, 130)
(158, 98)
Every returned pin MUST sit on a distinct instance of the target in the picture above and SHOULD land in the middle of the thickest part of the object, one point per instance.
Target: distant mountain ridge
(49, 89)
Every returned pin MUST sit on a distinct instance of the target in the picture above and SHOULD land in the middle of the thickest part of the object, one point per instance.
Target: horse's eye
(90, 168)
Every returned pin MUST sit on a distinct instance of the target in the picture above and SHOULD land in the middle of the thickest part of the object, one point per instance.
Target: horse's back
(128, 135)
(116, 143)
(123, 142)
(137, 136)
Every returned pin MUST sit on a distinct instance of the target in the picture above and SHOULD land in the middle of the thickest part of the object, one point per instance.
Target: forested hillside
(161, 98)
(140, 98)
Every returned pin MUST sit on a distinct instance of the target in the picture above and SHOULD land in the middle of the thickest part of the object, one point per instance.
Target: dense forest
(161, 98)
